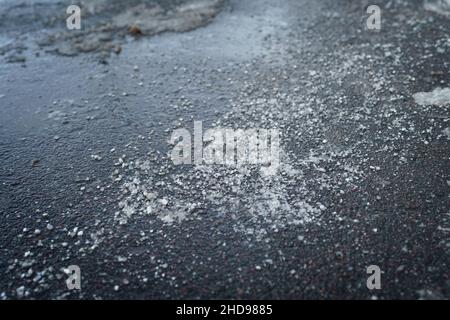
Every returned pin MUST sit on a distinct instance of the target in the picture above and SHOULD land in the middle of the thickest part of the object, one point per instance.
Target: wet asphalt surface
(365, 178)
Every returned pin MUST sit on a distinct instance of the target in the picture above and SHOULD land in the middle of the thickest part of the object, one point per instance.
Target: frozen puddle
(437, 97)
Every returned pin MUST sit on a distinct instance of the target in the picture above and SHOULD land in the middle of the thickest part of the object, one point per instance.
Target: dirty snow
(144, 19)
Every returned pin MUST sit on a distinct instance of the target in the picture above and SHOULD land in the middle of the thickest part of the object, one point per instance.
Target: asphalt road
(85, 177)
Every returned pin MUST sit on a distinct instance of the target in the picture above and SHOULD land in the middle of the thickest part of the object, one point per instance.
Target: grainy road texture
(85, 122)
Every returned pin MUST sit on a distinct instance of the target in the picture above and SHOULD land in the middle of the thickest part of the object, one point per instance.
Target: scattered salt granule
(96, 157)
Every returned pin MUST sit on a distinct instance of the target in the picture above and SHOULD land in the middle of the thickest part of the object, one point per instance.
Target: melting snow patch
(437, 97)
(446, 132)
(438, 6)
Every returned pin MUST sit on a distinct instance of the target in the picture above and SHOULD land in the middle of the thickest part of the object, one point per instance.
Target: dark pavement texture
(365, 178)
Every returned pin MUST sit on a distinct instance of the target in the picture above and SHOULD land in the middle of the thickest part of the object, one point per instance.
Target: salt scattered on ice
(437, 97)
